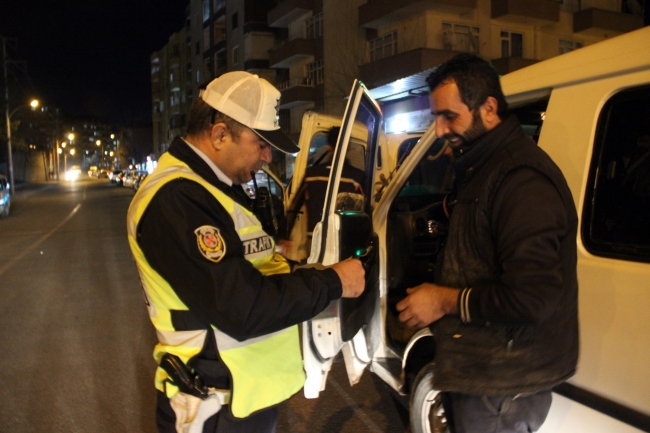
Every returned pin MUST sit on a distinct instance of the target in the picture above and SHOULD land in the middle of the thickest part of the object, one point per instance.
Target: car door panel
(346, 231)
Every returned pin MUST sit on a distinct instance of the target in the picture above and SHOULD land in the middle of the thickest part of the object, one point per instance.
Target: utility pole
(10, 162)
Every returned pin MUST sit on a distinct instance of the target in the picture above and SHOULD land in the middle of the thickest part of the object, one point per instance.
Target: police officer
(223, 302)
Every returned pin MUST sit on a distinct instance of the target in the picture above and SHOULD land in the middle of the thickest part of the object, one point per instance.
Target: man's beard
(473, 133)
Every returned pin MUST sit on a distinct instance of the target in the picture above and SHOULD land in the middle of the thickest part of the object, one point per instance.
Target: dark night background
(88, 57)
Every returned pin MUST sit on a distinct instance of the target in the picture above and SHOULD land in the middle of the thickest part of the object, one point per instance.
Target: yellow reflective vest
(264, 370)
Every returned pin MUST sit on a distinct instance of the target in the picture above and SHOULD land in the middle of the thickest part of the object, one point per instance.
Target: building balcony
(538, 12)
(295, 50)
(254, 65)
(392, 68)
(510, 64)
(605, 23)
(287, 11)
(299, 91)
(379, 13)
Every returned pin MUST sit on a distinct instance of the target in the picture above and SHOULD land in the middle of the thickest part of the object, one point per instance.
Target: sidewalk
(24, 190)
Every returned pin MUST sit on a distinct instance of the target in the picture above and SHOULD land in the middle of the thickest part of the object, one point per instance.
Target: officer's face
(244, 154)
(454, 120)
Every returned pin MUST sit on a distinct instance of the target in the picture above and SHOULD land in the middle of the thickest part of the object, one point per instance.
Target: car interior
(415, 233)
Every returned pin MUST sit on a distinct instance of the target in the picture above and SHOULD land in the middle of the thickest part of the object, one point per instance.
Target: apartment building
(94, 143)
(407, 40)
(393, 46)
(312, 50)
(230, 35)
(171, 89)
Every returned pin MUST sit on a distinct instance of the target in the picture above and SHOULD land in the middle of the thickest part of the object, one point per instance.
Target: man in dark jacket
(504, 307)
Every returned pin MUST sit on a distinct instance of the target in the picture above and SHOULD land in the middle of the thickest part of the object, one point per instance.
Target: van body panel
(623, 54)
(614, 294)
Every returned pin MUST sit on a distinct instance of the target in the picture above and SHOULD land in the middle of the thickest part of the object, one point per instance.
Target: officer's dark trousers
(496, 414)
(261, 422)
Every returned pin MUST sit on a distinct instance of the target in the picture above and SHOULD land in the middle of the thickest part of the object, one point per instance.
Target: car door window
(616, 216)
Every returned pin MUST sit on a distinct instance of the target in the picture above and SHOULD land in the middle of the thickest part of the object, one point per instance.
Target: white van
(590, 111)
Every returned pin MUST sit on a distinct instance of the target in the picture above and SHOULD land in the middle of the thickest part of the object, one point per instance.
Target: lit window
(384, 46)
(457, 37)
(314, 26)
(206, 10)
(512, 44)
(315, 72)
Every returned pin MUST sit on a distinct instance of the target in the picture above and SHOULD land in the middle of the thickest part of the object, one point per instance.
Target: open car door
(346, 231)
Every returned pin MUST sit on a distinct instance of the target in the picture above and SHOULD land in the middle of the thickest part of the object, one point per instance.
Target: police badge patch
(210, 243)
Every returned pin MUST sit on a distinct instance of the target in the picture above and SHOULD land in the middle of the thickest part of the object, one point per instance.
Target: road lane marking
(358, 411)
(42, 239)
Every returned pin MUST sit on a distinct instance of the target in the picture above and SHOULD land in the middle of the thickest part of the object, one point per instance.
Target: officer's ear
(218, 134)
(489, 113)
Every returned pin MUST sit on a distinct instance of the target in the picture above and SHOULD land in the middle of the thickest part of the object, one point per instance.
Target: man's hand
(427, 303)
(352, 277)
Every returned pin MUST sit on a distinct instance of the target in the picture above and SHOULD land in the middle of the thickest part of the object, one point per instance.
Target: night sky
(90, 57)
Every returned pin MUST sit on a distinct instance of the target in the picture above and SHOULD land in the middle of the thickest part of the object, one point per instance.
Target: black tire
(427, 414)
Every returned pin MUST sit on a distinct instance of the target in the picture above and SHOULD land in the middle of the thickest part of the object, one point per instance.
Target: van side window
(616, 217)
(531, 116)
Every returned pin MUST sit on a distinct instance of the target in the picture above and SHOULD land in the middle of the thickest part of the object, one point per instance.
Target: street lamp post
(71, 138)
(10, 162)
(101, 160)
(65, 157)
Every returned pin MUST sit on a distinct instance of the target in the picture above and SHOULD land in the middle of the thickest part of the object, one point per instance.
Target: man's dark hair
(202, 116)
(333, 135)
(476, 80)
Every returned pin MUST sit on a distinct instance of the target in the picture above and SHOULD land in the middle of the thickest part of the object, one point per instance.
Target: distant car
(129, 179)
(73, 173)
(5, 197)
(102, 174)
(114, 176)
(122, 177)
(139, 179)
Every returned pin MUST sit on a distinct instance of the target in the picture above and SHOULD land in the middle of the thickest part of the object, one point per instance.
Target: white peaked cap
(251, 101)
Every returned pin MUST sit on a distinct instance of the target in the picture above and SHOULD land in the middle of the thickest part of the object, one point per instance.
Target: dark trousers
(222, 422)
(496, 414)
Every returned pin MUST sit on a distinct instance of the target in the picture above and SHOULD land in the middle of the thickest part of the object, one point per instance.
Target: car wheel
(5, 211)
(427, 414)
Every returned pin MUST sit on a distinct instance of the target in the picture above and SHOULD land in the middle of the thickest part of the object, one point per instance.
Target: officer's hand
(427, 303)
(352, 277)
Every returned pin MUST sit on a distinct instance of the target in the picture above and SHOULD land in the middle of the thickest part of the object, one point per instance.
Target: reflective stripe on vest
(265, 370)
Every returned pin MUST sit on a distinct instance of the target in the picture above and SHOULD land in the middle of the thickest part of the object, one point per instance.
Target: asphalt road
(75, 338)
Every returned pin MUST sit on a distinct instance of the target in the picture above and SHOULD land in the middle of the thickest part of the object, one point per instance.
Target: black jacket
(512, 249)
(231, 294)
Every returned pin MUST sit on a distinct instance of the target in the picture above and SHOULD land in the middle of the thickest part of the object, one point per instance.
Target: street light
(65, 157)
(99, 143)
(10, 162)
